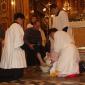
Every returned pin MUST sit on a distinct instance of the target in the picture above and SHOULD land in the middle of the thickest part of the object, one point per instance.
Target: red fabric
(72, 76)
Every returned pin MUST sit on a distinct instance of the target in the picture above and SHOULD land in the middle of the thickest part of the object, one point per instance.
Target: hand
(31, 46)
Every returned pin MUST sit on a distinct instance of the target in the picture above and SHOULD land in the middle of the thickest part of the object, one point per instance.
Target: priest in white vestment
(13, 56)
(68, 56)
(60, 20)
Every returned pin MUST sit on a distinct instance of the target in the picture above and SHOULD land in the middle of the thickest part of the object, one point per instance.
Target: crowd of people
(24, 48)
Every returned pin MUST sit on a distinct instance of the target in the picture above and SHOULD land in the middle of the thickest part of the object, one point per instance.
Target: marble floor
(34, 76)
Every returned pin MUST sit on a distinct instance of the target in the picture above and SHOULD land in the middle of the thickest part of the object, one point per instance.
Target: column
(26, 11)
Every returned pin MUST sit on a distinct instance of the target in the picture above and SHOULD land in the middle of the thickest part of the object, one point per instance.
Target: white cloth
(53, 54)
(68, 61)
(52, 44)
(62, 40)
(29, 25)
(12, 55)
(61, 21)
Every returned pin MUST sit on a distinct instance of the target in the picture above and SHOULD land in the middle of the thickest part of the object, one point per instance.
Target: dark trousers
(31, 55)
(10, 74)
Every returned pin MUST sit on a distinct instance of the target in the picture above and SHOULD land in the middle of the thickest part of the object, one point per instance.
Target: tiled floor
(33, 76)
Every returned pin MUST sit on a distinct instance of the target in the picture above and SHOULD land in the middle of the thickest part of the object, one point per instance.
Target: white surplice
(68, 61)
(53, 54)
(52, 44)
(61, 21)
(12, 55)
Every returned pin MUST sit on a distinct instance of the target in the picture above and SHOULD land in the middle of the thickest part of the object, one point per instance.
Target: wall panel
(79, 36)
(4, 13)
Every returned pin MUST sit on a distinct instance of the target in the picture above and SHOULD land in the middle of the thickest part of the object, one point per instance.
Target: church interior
(75, 9)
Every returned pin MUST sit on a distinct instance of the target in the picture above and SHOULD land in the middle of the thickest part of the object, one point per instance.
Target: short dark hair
(18, 15)
(65, 29)
(53, 6)
(52, 30)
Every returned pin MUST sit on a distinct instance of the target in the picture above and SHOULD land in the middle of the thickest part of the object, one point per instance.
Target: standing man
(60, 20)
(13, 56)
(34, 50)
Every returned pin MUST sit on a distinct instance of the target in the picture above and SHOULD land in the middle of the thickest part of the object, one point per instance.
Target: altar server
(13, 56)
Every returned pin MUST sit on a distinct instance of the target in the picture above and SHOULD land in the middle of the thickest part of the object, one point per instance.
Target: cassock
(68, 55)
(61, 20)
(13, 56)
